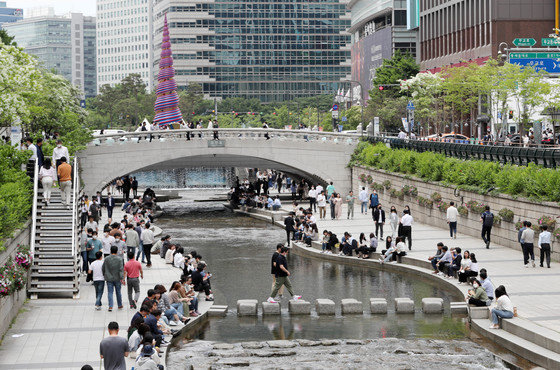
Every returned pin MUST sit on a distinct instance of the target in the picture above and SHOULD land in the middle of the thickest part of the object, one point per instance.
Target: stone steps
(522, 347)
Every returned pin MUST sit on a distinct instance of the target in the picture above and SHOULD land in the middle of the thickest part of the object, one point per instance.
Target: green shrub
(436, 197)
(497, 220)
(463, 211)
(476, 207)
(506, 214)
(387, 184)
(531, 181)
(376, 186)
(425, 202)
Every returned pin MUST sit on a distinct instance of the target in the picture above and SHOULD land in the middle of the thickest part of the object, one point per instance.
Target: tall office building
(9, 15)
(472, 30)
(63, 43)
(379, 28)
(270, 50)
(124, 41)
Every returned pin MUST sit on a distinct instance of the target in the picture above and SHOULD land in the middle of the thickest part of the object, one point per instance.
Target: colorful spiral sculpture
(167, 101)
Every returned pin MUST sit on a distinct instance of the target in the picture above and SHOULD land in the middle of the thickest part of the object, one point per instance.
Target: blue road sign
(499, 115)
(82, 103)
(335, 107)
(410, 105)
(344, 119)
(547, 65)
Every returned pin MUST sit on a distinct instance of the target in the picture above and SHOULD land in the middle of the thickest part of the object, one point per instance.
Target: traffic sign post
(335, 107)
(524, 42)
(335, 114)
(545, 61)
(550, 41)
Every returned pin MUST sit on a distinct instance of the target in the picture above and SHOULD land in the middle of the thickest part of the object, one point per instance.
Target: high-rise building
(456, 31)
(124, 41)
(9, 15)
(270, 50)
(378, 28)
(63, 43)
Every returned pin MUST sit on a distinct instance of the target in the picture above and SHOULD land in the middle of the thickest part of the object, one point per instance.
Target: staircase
(56, 267)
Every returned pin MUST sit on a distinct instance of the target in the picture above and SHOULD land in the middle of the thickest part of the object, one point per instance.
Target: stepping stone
(299, 307)
(324, 307)
(459, 308)
(281, 344)
(378, 305)
(216, 310)
(247, 307)
(404, 305)
(432, 305)
(271, 308)
(351, 306)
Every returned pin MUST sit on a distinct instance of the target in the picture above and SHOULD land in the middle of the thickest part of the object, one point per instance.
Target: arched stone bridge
(318, 156)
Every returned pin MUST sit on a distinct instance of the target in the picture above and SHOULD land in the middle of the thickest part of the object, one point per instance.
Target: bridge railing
(226, 133)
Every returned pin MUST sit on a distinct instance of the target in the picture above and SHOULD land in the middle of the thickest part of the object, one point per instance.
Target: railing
(34, 209)
(75, 188)
(226, 133)
(547, 157)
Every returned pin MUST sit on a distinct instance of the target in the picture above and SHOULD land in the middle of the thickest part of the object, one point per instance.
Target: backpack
(488, 220)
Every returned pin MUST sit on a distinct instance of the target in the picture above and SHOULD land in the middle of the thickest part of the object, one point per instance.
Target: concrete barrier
(271, 308)
(324, 307)
(217, 311)
(299, 307)
(404, 305)
(479, 312)
(378, 305)
(351, 306)
(247, 307)
(459, 308)
(432, 305)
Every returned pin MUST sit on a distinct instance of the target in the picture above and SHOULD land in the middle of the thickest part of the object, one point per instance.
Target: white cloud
(60, 6)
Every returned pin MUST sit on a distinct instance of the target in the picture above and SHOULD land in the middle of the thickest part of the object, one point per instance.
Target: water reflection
(238, 251)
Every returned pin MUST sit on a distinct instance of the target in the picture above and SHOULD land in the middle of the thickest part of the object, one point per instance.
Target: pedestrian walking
(289, 224)
(148, 240)
(312, 198)
(363, 196)
(47, 175)
(322, 204)
(350, 200)
(337, 201)
(60, 152)
(113, 349)
(113, 272)
(110, 204)
(273, 268)
(452, 215)
(487, 219)
(527, 238)
(96, 270)
(132, 239)
(40, 155)
(282, 277)
(406, 221)
(394, 221)
(379, 219)
(64, 171)
(544, 245)
(133, 273)
(373, 201)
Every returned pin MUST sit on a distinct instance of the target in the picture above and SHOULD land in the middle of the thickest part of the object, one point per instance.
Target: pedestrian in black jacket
(379, 219)
(289, 223)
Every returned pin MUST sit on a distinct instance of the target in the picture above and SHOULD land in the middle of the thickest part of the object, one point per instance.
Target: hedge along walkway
(534, 291)
(65, 333)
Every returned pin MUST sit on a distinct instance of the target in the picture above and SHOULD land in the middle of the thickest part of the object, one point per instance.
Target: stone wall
(10, 305)
(504, 234)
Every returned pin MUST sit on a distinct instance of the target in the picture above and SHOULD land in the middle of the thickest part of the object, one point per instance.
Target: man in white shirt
(322, 204)
(406, 222)
(147, 239)
(544, 245)
(58, 152)
(96, 269)
(107, 240)
(319, 189)
(402, 134)
(452, 215)
(32, 147)
(363, 197)
(312, 198)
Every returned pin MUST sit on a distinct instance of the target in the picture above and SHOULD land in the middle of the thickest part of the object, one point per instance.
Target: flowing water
(237, 250)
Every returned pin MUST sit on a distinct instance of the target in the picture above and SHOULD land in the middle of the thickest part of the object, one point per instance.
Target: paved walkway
(65, 333)
(535, 291)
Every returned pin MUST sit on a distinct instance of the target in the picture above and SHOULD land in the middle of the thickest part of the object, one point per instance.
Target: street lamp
(502, 52)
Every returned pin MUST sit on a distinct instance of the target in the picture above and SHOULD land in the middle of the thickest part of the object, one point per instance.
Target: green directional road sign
(540, 55)
(552, 41)
(524, 42)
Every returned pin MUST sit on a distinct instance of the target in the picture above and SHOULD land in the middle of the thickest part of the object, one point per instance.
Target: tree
(6, 39)
(392, 71)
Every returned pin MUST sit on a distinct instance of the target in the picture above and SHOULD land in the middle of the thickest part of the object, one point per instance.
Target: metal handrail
(34, 209)
(227, 132)
(76, 185)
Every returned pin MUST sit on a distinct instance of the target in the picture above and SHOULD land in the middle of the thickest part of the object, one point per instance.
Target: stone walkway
(65, 333)
(534, 291)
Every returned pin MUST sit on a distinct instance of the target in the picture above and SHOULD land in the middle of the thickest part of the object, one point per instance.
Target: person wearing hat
(146, 359)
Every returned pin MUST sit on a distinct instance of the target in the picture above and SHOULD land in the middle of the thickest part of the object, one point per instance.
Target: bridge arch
(320, 157)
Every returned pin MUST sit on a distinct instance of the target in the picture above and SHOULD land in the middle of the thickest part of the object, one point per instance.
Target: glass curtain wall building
(8, 15)
(273, 50)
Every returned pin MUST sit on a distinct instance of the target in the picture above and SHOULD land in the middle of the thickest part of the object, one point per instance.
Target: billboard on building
(368, 55)
(412, 14)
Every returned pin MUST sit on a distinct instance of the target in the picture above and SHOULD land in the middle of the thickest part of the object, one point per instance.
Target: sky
(60, 6)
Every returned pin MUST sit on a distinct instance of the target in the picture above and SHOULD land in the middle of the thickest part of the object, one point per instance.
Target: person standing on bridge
(282, 277)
